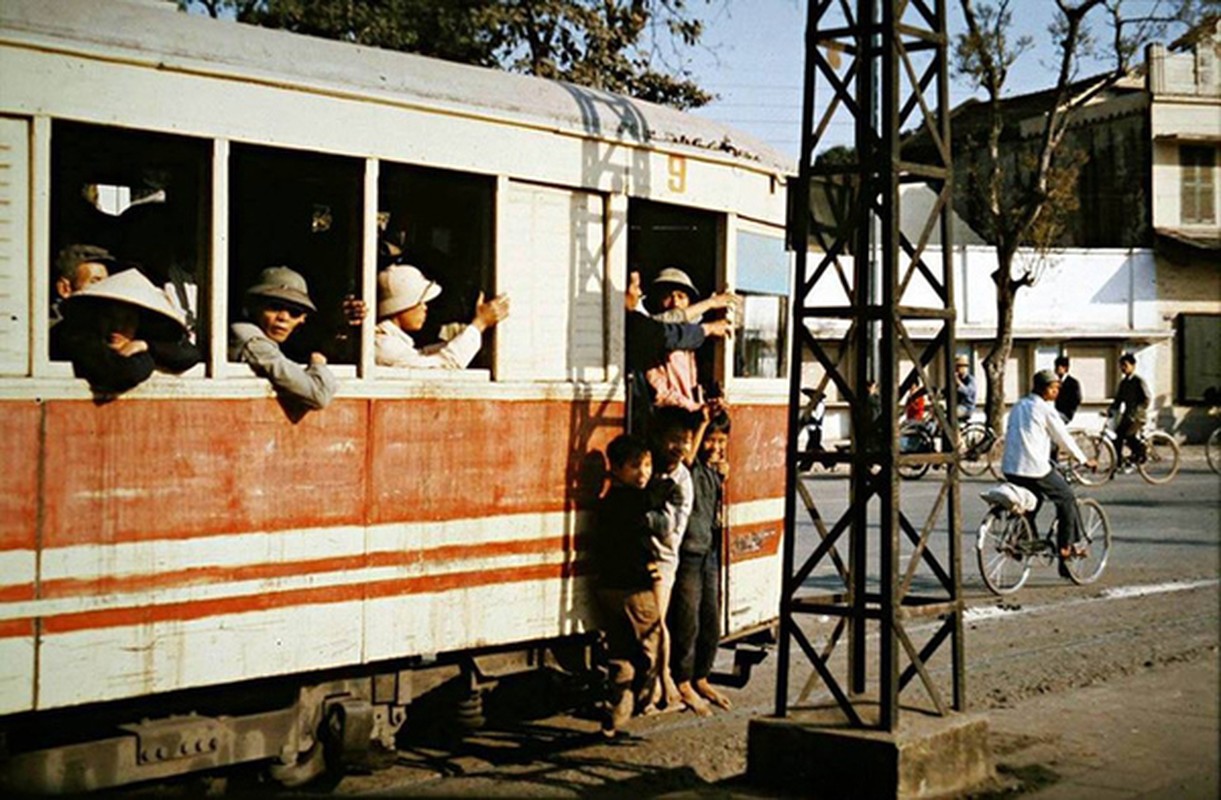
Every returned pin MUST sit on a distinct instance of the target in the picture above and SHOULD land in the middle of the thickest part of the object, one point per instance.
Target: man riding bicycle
(1033, 425)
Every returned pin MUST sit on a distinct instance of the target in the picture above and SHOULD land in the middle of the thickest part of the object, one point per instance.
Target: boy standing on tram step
(694, 618)
(630, 516)
(403, 294)
(672, 440)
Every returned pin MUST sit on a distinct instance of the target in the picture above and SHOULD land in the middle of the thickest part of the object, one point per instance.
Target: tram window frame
(326, 196)
(421, 213)
(174, 214)
(757, 277)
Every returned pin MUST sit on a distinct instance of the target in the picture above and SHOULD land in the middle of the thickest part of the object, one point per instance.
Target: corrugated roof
(179, 41)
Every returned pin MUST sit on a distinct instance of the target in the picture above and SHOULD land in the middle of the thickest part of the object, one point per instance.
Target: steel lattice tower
(868, 297)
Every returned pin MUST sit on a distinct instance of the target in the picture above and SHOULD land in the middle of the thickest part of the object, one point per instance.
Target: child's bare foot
(692, 700)
(671, 696)
(712, 695)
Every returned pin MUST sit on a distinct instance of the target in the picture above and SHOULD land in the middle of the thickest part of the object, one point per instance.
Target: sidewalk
(1153, 734)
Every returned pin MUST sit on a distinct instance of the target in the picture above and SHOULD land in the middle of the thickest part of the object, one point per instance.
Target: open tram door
(662, 236)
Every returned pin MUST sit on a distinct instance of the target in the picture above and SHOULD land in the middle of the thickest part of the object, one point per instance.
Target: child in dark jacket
(630, 516)
(694, 617)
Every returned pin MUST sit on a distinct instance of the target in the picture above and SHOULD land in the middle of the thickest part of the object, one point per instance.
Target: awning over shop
(1188, 246)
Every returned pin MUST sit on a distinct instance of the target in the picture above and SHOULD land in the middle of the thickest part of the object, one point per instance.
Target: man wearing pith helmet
(276, 306)
(403, 294)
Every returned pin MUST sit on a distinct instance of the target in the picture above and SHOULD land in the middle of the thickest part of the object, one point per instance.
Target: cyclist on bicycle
(1132, 396)
(966, 389)
(1032, 427)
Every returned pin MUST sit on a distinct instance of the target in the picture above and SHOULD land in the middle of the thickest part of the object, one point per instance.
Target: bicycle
(1160, 465)
(916, 437)
(1007, 544)
(1212, 446)
(980, 450)
(1096, 447)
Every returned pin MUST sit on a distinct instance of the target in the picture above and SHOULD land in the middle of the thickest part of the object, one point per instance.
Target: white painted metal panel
(16, 645)
(754, 583)
(14, 246)
(111, 663)
(551, 261)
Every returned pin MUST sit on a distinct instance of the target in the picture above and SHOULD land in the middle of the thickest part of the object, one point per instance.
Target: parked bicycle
(1212, 447)
(1160, 464)
(1008, 544)
(1212, 450)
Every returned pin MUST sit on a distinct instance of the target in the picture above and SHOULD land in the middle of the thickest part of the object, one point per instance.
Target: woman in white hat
(117, 330)
(276, 306)
(403, 294)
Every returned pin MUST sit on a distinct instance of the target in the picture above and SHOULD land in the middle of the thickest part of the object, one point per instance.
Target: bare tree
(1026, 197)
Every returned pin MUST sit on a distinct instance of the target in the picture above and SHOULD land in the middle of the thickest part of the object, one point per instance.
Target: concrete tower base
(814, 753)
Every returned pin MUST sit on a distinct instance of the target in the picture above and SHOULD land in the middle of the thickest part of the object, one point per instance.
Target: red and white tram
(190, 578)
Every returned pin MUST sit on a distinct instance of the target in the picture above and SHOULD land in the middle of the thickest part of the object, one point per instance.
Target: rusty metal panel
(143, 470)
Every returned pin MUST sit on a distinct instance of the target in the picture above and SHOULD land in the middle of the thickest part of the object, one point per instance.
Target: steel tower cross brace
(867, 297)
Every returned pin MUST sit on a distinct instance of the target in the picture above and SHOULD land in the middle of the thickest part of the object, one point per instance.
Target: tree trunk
(1002, 345)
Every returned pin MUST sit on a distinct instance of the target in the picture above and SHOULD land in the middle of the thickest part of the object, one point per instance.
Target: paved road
(1035, 661)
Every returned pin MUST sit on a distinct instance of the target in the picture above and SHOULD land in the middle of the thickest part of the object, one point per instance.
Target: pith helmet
(399, 287)
(282, 283)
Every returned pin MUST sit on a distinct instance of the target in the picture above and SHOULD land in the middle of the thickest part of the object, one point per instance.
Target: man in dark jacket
(1070, 391)
(1131, 403)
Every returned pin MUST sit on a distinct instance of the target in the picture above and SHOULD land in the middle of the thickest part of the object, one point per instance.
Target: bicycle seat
(1011, 497)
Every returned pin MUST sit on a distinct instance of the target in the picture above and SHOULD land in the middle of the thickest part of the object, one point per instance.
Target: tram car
(193, 577)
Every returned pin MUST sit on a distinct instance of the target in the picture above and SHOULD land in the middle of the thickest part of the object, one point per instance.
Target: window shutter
(14, 247)
(552, 265)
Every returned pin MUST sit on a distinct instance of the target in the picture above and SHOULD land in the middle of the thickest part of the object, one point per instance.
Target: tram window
(144, 197)
(300, 210)
(661, 236)
(763, 283)
(440, 222)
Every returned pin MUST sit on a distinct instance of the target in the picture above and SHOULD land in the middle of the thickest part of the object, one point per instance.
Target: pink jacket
(675, 382)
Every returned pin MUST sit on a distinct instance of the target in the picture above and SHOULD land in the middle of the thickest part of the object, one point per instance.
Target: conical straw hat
(129, 286)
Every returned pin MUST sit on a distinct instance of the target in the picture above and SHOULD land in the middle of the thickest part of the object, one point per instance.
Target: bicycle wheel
(1161, 458)
(996, 454)
(1212, 451)
(1094, 547)
(1002, 547)
(914, 440)
(1094, 446)
(973, 450)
